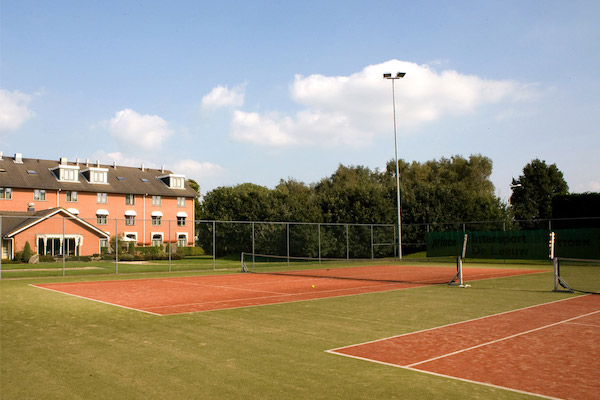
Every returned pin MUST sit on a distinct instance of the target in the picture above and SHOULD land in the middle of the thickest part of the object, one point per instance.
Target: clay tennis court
(548, 350)
(177, 295)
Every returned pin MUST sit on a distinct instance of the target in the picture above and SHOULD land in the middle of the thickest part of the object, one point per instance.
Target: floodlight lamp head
(400, 74)
(387, 75)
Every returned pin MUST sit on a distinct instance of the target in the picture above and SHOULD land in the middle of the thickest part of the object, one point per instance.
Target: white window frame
(101, 219)
(5, 193)
(156, 200)
(129, 220)
(71, 196)
(98, 176)
(130, 199)
(156, 220)
(162, 238)
(181, 221)
(130, 234)
(180, 201)
(186, 238)
(102, 198)
(39, 194)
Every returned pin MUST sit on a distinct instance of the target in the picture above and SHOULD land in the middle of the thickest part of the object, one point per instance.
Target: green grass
(54, 346)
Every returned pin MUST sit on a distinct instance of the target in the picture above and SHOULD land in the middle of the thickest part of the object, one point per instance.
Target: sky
(228, 92)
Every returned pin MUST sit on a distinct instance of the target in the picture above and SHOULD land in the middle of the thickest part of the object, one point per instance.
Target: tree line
(433, 192)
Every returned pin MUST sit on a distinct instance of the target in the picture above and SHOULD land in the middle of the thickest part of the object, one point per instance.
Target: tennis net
(577, 275)
(439, 270)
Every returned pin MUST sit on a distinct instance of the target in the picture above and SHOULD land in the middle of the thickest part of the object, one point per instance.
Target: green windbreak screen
(573, 243)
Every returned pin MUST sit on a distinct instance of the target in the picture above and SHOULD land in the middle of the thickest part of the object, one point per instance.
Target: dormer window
(66, 173)
(96, 175)
(173, 181)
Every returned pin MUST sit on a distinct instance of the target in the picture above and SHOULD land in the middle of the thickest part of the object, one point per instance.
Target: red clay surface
(166, 296)
(551, 350)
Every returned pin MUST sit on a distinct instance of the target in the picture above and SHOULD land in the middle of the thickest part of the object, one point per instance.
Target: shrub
(126, 257)
(47, 258)
(190, 251)
(26, 252)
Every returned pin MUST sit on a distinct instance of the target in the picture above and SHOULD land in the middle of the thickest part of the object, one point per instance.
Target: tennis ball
(313, 285)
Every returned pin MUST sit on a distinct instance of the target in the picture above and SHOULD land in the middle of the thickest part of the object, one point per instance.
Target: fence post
(62, 245)
(319, 229)
(170, 245)
(2, 246)
(347, 244)
(372, 246)
(116, 246)
(253, 235)
(214, 245)
(287, 225)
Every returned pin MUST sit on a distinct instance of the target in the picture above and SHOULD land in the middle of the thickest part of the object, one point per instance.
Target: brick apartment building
(75, 207)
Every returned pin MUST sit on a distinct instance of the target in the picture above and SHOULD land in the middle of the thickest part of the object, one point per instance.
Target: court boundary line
(222, 309)
(98, 301)
(504, 338)
(457, 323)
(442, 375)
(411, 367)
(173, 279)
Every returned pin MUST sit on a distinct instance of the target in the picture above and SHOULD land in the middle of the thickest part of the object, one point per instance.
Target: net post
(244, 268)
(556, 273)
(459, 275)
(558, 280)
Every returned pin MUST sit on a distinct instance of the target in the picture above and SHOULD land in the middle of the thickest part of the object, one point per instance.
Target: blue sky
(230, 92)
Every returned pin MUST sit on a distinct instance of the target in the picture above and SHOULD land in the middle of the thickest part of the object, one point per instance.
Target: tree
(26, 252)
(197, 205)
(533, 191)
(355, 194)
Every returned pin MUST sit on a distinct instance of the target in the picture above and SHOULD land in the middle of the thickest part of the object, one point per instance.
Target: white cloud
(121, 159)
(14, 110)
(351, 110)
(147, 132)
(197, 170)
(222, 96)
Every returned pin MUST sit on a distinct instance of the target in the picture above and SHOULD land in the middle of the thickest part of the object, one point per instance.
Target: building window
(103, 243)
(156, 200)
(68, 175)
(5, 193)
(156, 240)
(98, 176)
(130, 220)
(130, 199)
(71, 196)
(156, 220)
(180, 221)
(102, 198)
(39, 195)
(176, 182)
(181, 240)
(101, 219)
(181, 202)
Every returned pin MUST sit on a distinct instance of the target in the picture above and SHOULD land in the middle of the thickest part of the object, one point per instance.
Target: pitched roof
(37, 174)
(15, 221)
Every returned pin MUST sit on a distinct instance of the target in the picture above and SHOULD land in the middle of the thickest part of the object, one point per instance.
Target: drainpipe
(144, 221)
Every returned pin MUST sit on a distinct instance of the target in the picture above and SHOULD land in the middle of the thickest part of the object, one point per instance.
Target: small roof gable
(14, 222)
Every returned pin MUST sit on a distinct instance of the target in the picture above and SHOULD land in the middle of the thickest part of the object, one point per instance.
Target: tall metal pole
(399, 75)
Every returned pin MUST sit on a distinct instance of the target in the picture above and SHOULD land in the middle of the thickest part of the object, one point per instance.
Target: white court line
(411, 367)
(456, 323)
(98, 301)
(502, 339)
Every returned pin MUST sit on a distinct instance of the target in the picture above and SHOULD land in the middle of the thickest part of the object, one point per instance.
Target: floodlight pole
(399, 75)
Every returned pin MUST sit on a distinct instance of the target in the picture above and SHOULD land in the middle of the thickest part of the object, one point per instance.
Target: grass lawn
(54, 346)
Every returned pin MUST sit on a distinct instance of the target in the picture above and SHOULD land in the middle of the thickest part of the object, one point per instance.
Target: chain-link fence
(59, 245)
